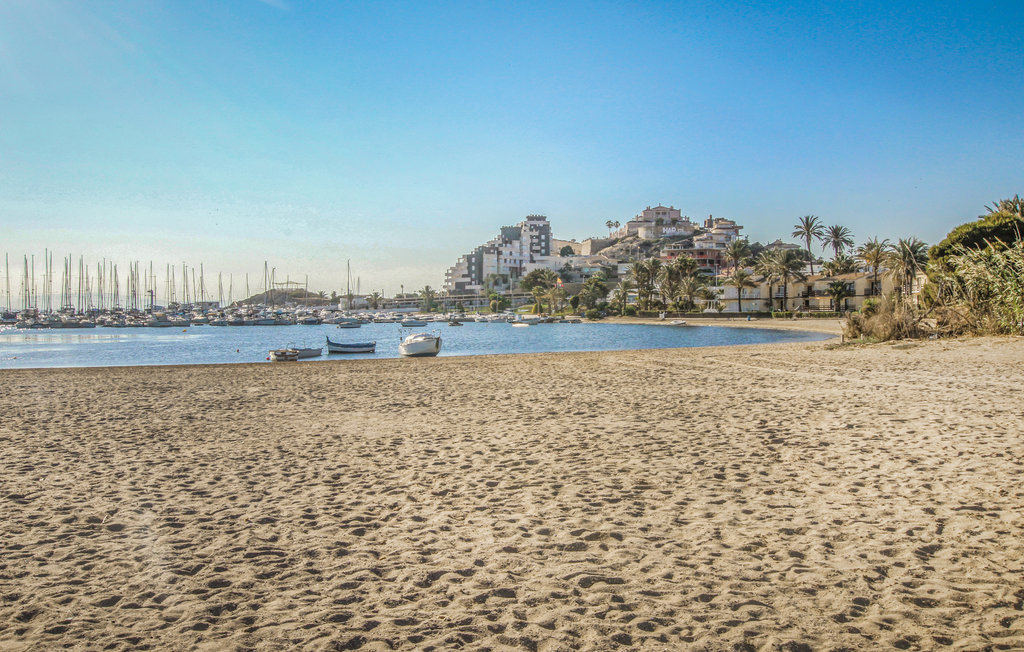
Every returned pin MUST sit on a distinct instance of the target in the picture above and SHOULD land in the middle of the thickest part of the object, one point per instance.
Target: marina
(96, 347)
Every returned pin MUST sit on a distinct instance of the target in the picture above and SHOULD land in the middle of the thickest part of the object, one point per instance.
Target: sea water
(101, 347)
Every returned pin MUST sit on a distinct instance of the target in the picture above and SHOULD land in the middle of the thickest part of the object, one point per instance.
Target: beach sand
(794, 496)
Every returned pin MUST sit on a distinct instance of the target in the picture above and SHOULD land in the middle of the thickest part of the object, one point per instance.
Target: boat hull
(284, 355)
(352, 347)
(420, 346)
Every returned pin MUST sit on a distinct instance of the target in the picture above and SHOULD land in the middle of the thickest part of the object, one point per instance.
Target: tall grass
(985, 290)
(888, 318)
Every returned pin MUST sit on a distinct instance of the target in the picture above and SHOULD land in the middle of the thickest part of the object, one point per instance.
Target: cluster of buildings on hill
(499, 264)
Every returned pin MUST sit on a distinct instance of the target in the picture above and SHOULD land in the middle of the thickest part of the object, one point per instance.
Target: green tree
(594, 290)
(566, 251)
(765, 266)
(538, 299)
(1013, 206)
(690, 289)
(554, 295)
(841, 264)
(737, 252)
(838, 291)
(427, 294)
(739, 279)
(837, 237)
(622, 295)
(645, 276)
(999, 229)
(373, 300)
(908, 257)
(809, 228)
(789, 266)
(668, 285)
(609, 224)
(542, 278)
(873, 254)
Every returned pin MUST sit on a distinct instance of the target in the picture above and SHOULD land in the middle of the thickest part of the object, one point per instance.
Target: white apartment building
(505, 259)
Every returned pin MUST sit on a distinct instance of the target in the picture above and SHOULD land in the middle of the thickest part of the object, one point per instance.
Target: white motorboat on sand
(420, 345)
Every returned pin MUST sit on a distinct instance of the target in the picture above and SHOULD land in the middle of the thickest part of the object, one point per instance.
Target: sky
(400, 135)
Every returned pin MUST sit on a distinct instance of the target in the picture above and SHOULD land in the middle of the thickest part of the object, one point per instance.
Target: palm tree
(873, 254)
(838, 291)
(554, 296)
(837, 237)
(739, 279)
(427, 294)
(737, 251)
(609, 224)
(538, 299)
(622, 294)
(907, 258)
(668, 284)
(690, 288)
(841, 264)
(809, 228)
(765, 266)
(788, 265)
(645, 275)
(374, 300)
(684, 266)
(1013, 206)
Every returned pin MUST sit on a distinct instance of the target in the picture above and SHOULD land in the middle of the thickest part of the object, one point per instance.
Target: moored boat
(350, 347)
(284, 355)
(420, 345)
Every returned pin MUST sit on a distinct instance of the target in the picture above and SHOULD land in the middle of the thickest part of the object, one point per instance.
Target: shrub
(593, 313)
(891, 319)
(630, 311)
(870, 307)
(994, 229)
(985, 290)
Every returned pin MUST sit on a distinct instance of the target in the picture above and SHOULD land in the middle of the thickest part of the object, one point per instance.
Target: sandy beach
(794, 496)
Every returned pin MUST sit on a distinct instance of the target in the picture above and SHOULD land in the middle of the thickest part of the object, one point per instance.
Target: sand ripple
(775, 497)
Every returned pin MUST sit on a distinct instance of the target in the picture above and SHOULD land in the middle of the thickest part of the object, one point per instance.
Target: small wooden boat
(284, 355)
(677, 322)
(350, 347)
(412, 323)
(455, 322)
(310, 353)
(348, 324)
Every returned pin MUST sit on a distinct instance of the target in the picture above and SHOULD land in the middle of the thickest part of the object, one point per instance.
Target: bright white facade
(502, 261)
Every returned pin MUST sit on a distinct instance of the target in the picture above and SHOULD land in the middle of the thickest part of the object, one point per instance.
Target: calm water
(97, 347)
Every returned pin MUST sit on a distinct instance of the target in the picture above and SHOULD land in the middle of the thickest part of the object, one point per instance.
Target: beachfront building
(657, 222)
(708, 248)
(809, 295)
(502, 261)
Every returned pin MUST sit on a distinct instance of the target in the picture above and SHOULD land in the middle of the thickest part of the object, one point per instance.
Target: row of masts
(133, 287)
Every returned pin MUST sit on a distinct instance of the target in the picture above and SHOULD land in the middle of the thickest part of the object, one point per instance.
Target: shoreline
(830, 326)
(812, 326)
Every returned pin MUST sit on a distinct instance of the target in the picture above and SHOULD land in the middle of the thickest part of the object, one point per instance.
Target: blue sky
(401, 135)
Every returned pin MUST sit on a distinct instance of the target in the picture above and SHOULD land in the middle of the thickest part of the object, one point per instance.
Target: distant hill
(296, 297)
